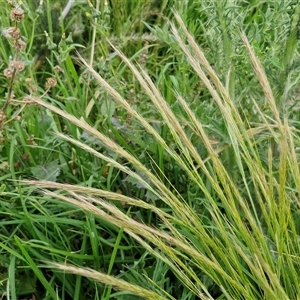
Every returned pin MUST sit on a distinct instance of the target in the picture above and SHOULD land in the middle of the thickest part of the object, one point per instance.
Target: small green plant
(16, 64)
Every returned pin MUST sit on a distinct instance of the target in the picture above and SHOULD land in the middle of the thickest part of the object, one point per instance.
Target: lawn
(149, 150)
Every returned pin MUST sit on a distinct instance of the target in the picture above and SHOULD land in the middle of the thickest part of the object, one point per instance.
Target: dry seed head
(31, 140)
(31, 87)
(17, 64)
(20, 45)
(58, 69)
(17, 14)
(51, 82)
(10, 2)
(5, 165)
(2, 116)
(9, 73)
(12, 33)
(12, 95)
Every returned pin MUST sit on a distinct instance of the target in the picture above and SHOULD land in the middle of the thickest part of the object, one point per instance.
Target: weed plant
(149, 152)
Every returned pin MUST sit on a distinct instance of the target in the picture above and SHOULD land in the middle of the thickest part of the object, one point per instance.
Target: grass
(160, 160)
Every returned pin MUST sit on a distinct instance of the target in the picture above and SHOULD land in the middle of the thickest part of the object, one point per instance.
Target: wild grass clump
(162, 175)
(243, 236)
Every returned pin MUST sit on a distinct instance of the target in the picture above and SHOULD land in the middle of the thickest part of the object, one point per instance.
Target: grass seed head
(19, 45)
(17, 14)
(2, 117)
(12, 33)
(8, 72)
(51, 82)
(17, 65)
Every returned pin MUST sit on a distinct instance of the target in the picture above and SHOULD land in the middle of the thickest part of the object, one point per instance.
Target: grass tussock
(250, 247)
(162, 169)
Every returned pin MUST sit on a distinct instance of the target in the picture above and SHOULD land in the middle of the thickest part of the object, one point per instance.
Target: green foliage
(150, 152)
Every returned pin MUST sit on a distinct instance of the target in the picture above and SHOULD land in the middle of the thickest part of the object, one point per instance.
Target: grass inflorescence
(155, 153)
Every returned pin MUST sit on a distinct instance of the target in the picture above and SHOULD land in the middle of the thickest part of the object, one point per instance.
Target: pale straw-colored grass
(251, 247)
